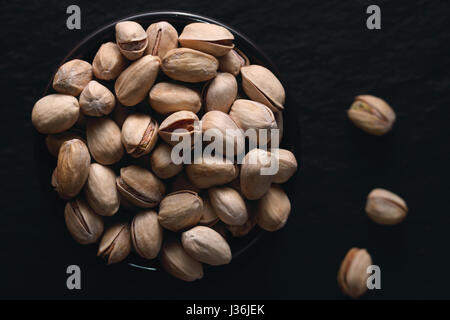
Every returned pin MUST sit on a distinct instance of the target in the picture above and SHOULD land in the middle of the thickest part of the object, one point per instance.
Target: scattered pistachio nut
(131, 39)
(162, 164)
(115, 244)
(96, 100)
(146, 234)
(139, 134)
(287, 165)
(166, 98)
(255, 182)
(228, 205)
(162, 37)
(385, 207)
(220, 92)
(352, 275)
(104, 140)
(72, 77)
(208, 171)
(233, 61)
(178, 126)
(180, 210)
(273, 209)
(108, 62)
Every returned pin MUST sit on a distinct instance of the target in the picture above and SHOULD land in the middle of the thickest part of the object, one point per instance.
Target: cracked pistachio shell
(162, 37)
(96, 100)
(220, 92)
(55, 113)
(166, 98)
(178, 263)
(55, 141)
(100, 190)
(189, 65)
(180, 210)
(131, 39)
(352, 276)
(162, 164)
(228, 205)
(287, 165)
(108, 62)
(83, 223)
(209, 171)
(273, 209)
(115, 244)
(209, 216)
(139, 134)
(140, 187)
(72, 77)
(243, 230)
(72, 169)
(233, 61)
(385, 207)
(261, 85)
(146, 234)
(206, 245)
(210, 38)
(372, 115)
(186, 121)
(103, 137)
(254, 184)
(134, 83)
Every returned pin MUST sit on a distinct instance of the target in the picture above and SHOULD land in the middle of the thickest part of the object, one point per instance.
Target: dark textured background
(326, 56)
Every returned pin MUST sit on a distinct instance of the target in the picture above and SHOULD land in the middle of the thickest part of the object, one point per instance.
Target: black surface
(326, 56)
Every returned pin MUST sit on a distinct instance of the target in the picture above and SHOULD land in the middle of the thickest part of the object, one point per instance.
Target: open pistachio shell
(115, 245)
(162, 37)
(131, 39)
(139, 134)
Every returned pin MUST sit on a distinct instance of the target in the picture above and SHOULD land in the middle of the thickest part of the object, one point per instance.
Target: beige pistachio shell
(220, 92)
(385, 207)
(72, 77)
(209, 216)
(108, 62)
(146, 234)
(208, 171)
(254, 184)
(139, 134)
(287, 165)
(55, 113)
(180, 210)
(55, 141)
(104, 140)
(186, 121)
(273, 209)
(228, 205)
(115, 245)
(131, 39)
(166, 98)
(233, 61)
(352, 275)
(162, 164)
(162, 37)
(96, 100)
(83, 224)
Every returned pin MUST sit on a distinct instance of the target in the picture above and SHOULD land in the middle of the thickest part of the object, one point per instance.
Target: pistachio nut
(166, 98)
(162, 164)
(140, 187)
(139, 134)
(352, 276)
(131, 39)
(287, 165)
(228, 205)
(233, 61)
(115, 244)
(178, 263)
(189, 65)
(162, 37)
(100, 190)
(146, 234)
(243, 230)
(273, 209)
(207, 37)
(220, 92)
(108, 62)
(120, 114)
(180, 210)
(96, 100)
(385, 207)
(134, 83)
(254, 184)
(181, 182)
(103, 137)
(208, 171)
(55, 113)
(209, 216)
(261, 85)
(372, 115)
(72, 77)
(206, 245)
(178, 126)
(73, 168)
(55, 141)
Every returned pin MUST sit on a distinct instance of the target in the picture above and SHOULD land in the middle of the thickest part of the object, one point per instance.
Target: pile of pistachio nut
(112, 156)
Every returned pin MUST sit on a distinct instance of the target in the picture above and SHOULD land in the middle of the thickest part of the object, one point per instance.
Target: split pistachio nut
(255, 184)
(162, 164)
(385, 207)
(228, 205)
(104, 140)
(83, 223)
(287, 165)
(131, 39)
(115, 244)
(180, 210)
(352, 276)
(220, 92)
(179, 125)
(233, 61)
(166, 98)
(162, 37)
(273, 209)
(209, 171)
(139, 134)
(72, 77)
(372, 115)
(96, 100)
(146, 234)
(140, 187)
(108, 62)
(55, 141)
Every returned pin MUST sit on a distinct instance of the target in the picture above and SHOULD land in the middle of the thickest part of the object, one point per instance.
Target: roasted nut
(180, 210)
(273, 209)
(206, 37)
(189, 65)
(206, 245)
(385, 207)
(131, 39)
(228, 205)
(209, 216)
(139, 134)
(162, 37)
(220, 92)
(372, 115)
(178, 263)
(72, 77)
(140, 187)
(261, 85)
(134, 83)
(181, 120)
(254, 182)
(55, 141)
(208, 171)
(103, 137)
(83, 224)
(166, 98)
(287, 165)
(161, 162)
(352, 276)
(55, 113)
(108, 62)
(146, 234)
(100, 190)
(115, 245)
(96, 100)
(233, 61)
